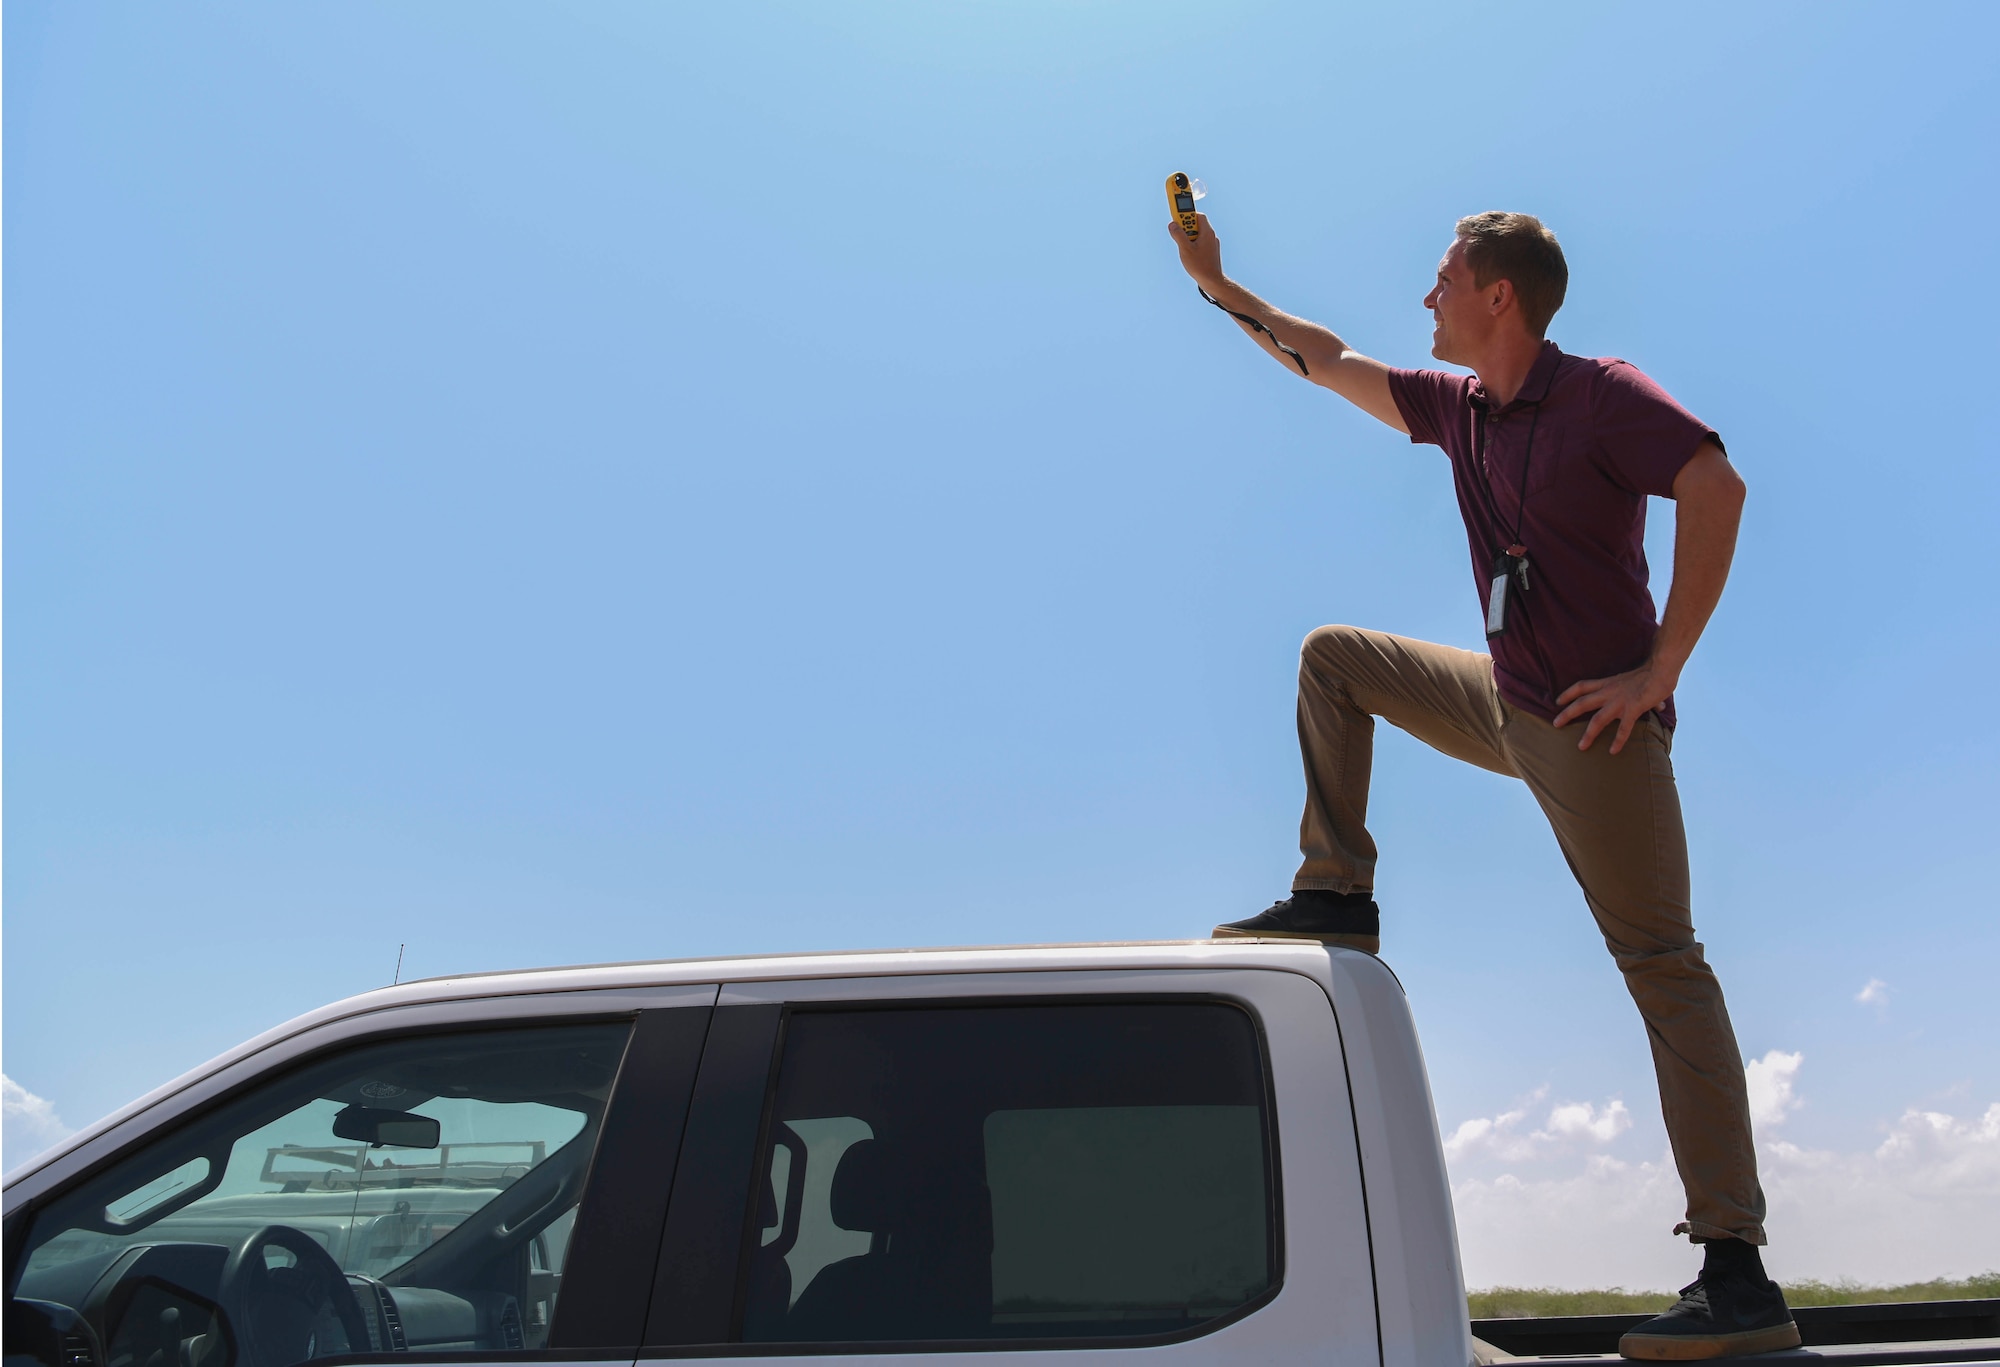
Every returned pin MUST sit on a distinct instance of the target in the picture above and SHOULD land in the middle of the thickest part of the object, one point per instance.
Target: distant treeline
(1521, 1302)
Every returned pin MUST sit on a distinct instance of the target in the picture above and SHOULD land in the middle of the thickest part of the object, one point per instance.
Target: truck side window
(414, 1196)
(1012, 1172)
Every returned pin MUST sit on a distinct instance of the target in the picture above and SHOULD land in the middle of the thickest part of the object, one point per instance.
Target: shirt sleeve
(1428, 401)
(1643, 436)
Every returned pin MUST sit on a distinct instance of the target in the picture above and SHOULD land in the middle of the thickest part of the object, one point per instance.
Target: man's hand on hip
(1623, 698)
(1709, 495)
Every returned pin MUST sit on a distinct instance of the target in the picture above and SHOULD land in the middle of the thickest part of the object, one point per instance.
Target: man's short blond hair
(1520, 249)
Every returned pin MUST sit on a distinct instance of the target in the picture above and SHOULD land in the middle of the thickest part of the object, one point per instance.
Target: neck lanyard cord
(1527, 464)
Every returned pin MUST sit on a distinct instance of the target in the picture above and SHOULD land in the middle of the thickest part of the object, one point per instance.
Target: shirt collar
(1535, 388)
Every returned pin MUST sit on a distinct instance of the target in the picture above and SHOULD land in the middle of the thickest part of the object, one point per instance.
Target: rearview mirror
(397, 1129)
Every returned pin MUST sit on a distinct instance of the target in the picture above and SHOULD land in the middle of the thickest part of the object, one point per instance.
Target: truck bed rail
(1819, 1326)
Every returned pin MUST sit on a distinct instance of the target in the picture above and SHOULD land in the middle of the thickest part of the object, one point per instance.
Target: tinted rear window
(1032, 1171)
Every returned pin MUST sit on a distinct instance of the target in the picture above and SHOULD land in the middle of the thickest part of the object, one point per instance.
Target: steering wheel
(278, 1314)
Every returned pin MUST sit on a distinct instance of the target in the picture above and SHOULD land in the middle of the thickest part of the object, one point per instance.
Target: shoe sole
(1367, 944)
(1695, 1347)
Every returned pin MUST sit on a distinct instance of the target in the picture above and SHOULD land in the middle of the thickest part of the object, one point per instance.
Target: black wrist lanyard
(1256, 326)
(1510, 566)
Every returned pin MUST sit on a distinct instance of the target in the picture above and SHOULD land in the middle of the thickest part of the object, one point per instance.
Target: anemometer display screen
(1183, 202)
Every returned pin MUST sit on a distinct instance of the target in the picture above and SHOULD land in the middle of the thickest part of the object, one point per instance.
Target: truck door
(469, 1192)
(1034, 1164)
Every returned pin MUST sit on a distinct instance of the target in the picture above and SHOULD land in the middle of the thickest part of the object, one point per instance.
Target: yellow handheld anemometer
(1181, 195)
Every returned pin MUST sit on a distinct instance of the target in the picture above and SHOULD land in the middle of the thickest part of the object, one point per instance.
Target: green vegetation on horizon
(1520, 1302)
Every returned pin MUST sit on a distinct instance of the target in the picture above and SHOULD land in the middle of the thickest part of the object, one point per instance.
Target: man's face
(1461, 311)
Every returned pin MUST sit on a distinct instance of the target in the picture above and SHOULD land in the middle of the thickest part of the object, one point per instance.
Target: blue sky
(550, 484)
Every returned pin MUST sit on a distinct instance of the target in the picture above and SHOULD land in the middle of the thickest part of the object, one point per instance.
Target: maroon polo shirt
(1605, 437)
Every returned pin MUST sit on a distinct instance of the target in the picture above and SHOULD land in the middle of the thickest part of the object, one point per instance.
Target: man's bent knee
(1323, 644)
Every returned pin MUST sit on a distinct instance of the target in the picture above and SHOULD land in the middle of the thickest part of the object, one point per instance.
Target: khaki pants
(1618, 821)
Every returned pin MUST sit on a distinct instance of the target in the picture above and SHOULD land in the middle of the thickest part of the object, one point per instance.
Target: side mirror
(397, 1129)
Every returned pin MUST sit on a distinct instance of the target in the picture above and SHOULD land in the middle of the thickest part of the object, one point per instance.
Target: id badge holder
(1509, 571)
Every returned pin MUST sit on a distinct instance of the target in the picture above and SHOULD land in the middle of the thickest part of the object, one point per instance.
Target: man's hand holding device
(1201, 254)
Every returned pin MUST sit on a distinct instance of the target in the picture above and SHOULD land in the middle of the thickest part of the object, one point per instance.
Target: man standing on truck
(1553, 457)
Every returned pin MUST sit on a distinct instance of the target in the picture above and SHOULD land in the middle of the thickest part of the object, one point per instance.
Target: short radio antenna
(399, 964)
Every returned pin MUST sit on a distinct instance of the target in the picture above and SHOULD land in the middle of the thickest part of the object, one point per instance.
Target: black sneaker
(1350, 919)
(1719, 1314)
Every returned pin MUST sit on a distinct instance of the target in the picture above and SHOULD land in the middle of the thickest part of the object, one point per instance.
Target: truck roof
(867, 963)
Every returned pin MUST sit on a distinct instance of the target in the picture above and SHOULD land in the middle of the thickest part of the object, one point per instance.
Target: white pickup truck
(1201, 1152)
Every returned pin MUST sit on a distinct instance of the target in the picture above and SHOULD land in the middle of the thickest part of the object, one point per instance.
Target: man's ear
(1500, 297)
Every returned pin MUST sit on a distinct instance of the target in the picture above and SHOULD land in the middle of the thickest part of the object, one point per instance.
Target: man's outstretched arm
(1708, 506)
(1329, 362)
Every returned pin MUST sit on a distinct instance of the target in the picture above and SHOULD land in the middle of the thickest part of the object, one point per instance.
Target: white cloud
(1948, 1154)
(1770, 1080)
(28, 1124)
(1603, 1223)
(1582, 1120)
(1495, 1133)
(1874, 992)
(1921, 1203)
(1569, 1123)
